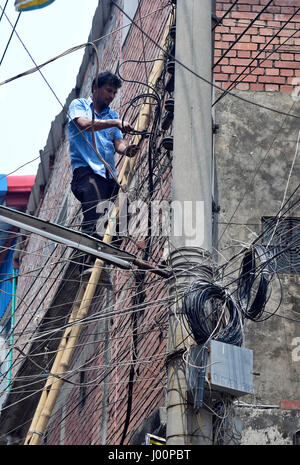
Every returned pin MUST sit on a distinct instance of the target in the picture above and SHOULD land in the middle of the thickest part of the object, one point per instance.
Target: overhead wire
(11, 35)
(219, 21)
(174, 58)
(3, 9)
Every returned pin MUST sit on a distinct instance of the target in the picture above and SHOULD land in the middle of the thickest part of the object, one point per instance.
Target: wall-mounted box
(220, 367)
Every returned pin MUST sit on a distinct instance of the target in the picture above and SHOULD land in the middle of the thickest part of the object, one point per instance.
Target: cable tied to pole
(212, 313)
(257, 271)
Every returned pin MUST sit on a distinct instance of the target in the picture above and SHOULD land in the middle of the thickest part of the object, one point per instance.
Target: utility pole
(191, 238)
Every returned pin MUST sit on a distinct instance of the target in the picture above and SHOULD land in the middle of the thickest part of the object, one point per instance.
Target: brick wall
(130, 352)
(268, 55)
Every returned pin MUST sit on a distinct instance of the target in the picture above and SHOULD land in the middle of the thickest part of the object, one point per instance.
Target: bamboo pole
(69, 340)
(55, 368)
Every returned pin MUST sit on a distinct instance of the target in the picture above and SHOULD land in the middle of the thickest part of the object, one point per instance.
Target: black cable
(146, 253)
(9, 40)
(220, 20)
(253, 307)
(204, 306)
(3, 9)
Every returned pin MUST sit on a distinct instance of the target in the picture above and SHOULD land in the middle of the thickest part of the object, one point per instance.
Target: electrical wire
(175, 59)
(11, 35)
(253, 307)
(219, 21)
(206, 306)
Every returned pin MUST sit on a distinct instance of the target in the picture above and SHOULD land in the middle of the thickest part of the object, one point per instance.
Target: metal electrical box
(221, 367)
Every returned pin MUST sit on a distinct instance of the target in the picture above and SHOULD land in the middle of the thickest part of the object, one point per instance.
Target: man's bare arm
(124, 149)
(86, 124)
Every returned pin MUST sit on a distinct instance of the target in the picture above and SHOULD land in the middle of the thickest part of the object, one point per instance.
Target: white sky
(27, 106)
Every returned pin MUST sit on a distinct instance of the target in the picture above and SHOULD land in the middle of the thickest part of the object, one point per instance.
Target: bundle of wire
(253, 297)
(212, 313)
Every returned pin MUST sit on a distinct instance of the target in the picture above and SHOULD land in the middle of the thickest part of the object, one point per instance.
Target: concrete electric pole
(191, 238)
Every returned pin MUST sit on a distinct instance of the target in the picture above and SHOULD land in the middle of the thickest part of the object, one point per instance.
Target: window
(296, 438)
(283, 237)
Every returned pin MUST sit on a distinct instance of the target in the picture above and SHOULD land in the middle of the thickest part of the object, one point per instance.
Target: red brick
(271, 79)
(243, 15)
(287, 64)
(271, 87)
(250, 2)
(221, 44)
(266, 64)
(258, 71)
(286, 72)
(228, 69)
(265, 16)
(242, 86)
(258, 39)
(244, 7)
(257, 87)
(247, 77)
(245, 46)
(231, 53)
(242, 62)
(286, 56)
(244, 53)
(221, 77)
(286, 88)
(272, 72)
(229, 37)
(264, 31)
(237, 30)
(290, 404)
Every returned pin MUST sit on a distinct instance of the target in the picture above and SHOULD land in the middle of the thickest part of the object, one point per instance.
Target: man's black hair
(106, 77)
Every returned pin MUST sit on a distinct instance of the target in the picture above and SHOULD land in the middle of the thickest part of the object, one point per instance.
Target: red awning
(20, 183)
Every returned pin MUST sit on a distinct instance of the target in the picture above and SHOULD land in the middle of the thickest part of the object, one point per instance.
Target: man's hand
(131, 151)
(124, 126)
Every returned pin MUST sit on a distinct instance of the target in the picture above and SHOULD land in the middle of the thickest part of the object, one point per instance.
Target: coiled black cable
(253, 301)
(212, 313)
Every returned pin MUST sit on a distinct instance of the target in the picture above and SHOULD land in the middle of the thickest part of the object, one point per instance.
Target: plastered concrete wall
(256, 171)
(268, 426)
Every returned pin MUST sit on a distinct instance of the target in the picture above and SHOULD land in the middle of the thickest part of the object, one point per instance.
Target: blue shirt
(81, 151)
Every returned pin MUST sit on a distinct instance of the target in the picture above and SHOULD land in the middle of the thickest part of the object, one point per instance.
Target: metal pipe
(67, 242)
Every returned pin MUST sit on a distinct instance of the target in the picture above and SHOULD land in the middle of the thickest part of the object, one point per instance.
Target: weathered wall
(268, 426)
(255, 153)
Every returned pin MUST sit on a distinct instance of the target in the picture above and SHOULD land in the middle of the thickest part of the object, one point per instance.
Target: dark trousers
(91, 189)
